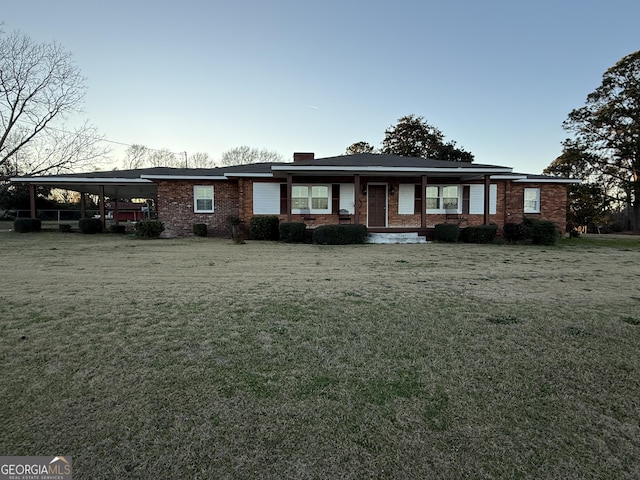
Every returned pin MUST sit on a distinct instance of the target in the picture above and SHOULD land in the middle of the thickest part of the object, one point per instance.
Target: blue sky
(498, 77)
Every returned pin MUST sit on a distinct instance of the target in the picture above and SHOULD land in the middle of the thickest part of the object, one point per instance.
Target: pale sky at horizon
(498, 77)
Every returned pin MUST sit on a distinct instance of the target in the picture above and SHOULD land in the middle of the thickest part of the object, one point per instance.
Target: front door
(377, 205)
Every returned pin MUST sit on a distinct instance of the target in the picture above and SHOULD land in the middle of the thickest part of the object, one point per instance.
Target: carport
(113, 184)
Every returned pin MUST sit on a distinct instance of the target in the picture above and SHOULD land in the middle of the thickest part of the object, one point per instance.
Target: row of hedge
(539, 232)
(269, 228)
(147, 228)
(451, 233)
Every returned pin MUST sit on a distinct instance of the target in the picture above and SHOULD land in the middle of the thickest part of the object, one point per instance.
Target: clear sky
(496, 76)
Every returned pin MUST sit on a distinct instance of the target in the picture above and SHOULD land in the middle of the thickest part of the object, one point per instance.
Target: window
(319, 198)
(450, 198)
(531, 200)
(300, 198)
(433, 198)
(310, 198)
(443, 198)
(203, 198)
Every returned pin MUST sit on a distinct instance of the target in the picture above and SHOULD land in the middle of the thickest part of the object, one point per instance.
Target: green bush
(292, 232)
(264, 227)
(200, 229)
(117, 228)
(339, 234)
(479, 233)
(64, 227)
(446, 232)
(543, 232)
(90, 225)
(149, 228)
(25, 225)
(515, 232)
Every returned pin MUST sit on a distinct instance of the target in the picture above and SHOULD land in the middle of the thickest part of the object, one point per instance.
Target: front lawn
(199, 358)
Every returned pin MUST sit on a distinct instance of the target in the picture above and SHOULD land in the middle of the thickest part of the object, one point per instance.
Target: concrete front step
(410, 237)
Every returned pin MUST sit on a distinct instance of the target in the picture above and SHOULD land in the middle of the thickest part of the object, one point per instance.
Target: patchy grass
(198, 358)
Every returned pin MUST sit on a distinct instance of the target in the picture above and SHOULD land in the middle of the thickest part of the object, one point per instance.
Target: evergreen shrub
(149, 228)
(90, 225)
(200, 229)
(514, 232)
(264, 227)
(446, 232)
(479, 234)
(542, 232)
(340, 234)
(292, 232)
(25, 225)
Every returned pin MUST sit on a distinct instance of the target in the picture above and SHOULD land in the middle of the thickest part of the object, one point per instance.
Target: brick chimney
(297, 156)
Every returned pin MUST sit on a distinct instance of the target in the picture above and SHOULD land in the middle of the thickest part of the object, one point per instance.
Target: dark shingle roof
(386, 160)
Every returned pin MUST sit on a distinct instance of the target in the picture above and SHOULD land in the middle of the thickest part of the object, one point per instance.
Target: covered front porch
(387, 204)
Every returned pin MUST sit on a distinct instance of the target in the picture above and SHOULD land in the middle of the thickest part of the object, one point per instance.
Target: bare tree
(245, 155)
(164, 158)
(200, 160)
(135, 157)
(40, 86)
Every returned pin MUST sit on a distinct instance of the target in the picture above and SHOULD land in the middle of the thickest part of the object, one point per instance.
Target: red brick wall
(175, 207)
(553, 203)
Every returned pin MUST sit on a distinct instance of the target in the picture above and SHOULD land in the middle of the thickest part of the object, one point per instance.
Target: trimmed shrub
(64, 227)
(514, 232)
(149, 228)
(25, 225)
(479, 234)
(446, 232)
(90, 225)
(339, 234)
(543, 232)
(264, 227)
(292, 232)
(200, 229)
(117, 228)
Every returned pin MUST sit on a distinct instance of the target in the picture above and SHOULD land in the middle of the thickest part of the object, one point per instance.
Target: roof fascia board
(305, 168)
(46, 180)
(184, 177)
(508, 177)
(544, 180)
(252, 175)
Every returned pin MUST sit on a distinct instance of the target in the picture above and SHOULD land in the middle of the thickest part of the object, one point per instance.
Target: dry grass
(198, 358)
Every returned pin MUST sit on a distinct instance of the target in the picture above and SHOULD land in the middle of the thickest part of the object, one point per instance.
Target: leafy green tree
(360, 147)
(608, 129)
(412, 136)
(588, 202)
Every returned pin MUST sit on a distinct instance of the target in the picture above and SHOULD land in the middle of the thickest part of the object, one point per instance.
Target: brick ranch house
(387, 193)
